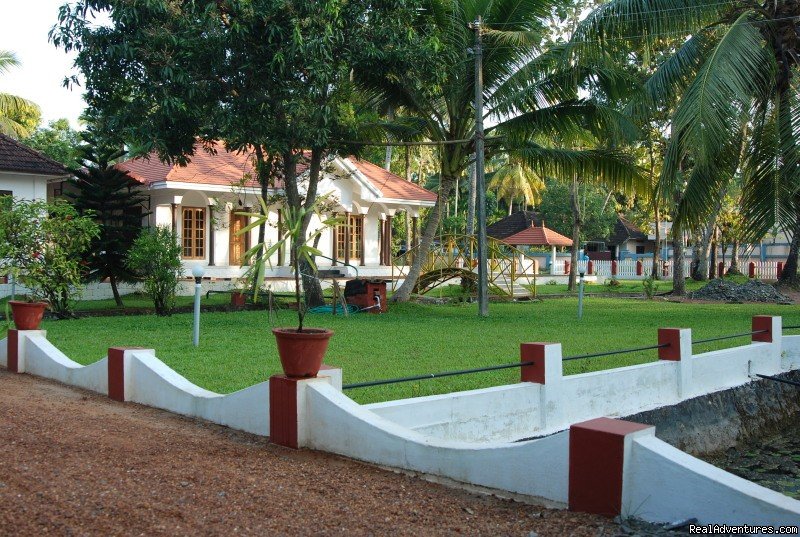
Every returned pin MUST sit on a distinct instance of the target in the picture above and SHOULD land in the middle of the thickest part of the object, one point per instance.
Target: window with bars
(194, 232)
(356, 235)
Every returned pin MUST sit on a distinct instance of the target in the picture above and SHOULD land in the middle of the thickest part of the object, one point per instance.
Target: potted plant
(302, 349)
(41, 247)
(238, 293)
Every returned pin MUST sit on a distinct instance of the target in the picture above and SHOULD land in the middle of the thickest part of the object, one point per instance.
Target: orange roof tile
(390, 185)
(225, 168)
(538, 236)
(220, 168)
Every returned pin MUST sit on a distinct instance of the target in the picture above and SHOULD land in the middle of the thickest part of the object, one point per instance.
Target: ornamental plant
(42, 246)
(155, 258)
(295, 220)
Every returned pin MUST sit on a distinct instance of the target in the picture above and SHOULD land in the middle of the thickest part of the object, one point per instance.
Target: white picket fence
(629, 270)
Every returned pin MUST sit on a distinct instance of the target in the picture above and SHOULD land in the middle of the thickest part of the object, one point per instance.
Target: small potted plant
(302, 349)
(238, 293)
(41, 245)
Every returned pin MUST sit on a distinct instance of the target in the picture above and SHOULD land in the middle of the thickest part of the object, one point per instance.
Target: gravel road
(75, 463)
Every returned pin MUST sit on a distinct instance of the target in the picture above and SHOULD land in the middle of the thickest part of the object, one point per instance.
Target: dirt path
(74, 463)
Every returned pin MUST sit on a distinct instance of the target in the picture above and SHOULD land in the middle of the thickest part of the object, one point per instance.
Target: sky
(23, 31)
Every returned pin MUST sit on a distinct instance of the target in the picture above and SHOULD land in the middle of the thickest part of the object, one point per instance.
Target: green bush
(650, 287)
(156, 258)
(42, 245)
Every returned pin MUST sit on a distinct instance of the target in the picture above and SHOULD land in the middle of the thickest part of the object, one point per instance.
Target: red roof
(538, 236)
(390, 185)
(226, 168)
(220, 168)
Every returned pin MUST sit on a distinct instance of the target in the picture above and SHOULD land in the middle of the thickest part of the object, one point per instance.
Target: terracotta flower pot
(27, 315)
(301, 353)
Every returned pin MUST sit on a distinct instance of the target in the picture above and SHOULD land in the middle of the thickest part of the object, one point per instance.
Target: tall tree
(530, 96)
(112, 198)
(58, 141)
(18, 116)
(735, 79)
(272, 77)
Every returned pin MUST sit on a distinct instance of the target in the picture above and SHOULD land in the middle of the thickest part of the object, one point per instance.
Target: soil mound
(752, 291)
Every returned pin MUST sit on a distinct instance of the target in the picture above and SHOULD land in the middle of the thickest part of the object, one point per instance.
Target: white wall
(24, 185)
(664, 484)
(335, 423)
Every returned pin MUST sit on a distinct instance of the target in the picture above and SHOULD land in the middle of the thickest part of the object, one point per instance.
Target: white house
(24, 172)
(200, 202)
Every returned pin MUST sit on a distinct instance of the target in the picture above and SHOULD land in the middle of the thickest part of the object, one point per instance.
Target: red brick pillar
(12, 350)
(751, 270)
(780, 269)
(566, 267)
(118, 362)
(283, 410)
(764, 322)
(589, 267)
(16, 341)
(638, 267)
(720, 269)
(596, 461)
(678, 349)
(613, 267)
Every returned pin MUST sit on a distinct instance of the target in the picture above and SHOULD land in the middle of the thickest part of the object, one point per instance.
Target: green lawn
(237, 348)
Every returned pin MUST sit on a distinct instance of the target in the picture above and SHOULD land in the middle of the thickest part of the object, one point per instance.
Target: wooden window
(356, 234)
(194, 232)
(239, 244)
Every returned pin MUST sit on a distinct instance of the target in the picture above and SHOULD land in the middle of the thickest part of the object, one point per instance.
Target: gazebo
(539, 236)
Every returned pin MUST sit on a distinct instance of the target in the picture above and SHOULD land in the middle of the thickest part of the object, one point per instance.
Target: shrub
(42, 245)
(156, 258)
(650, 287)
(612, 282)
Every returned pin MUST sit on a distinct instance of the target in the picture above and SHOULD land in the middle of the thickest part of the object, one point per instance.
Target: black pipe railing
(609, 353)
(734, 336)
(776, 379)
(434, 375)
(794, 327)
(521, 364)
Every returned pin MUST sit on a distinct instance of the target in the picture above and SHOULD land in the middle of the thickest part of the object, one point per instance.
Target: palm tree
(733, 78)
(531, 99)
(12, 108)
(515, 181)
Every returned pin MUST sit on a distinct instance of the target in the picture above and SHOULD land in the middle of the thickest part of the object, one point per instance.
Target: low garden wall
(549, 436)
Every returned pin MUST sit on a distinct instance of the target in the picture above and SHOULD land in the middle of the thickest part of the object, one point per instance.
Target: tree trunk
(262, 173)
(473, 181)
(701, 251)
(678, 258)
(312, 286)
(735, 258)
(656, 272)
(117, 299)
(712, 258)
(789, 274)
(434, 218)
(407, 216)
(577, 220)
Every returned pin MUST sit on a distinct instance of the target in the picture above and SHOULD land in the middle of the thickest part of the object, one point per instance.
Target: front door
(239, 244)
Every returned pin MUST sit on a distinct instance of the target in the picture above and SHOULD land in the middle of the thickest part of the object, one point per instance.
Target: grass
(237, 349)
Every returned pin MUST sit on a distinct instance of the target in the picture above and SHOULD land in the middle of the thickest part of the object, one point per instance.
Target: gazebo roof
(538, 236)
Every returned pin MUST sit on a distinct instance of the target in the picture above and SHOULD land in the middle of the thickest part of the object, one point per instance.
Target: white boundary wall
(429, 434)
(664, 484)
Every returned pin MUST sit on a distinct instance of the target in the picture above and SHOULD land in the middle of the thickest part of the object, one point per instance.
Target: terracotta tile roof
(390, 185)
(18, 157)
(513, 223)
(220, 168)
(226, 168)
(538, 236)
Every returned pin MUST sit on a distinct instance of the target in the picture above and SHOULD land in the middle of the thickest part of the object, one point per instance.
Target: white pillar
(552, 259)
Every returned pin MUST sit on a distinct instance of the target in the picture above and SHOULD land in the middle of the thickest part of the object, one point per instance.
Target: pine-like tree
(118, 206)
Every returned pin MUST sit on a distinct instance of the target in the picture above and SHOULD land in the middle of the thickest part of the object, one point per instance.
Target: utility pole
(480, 178)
